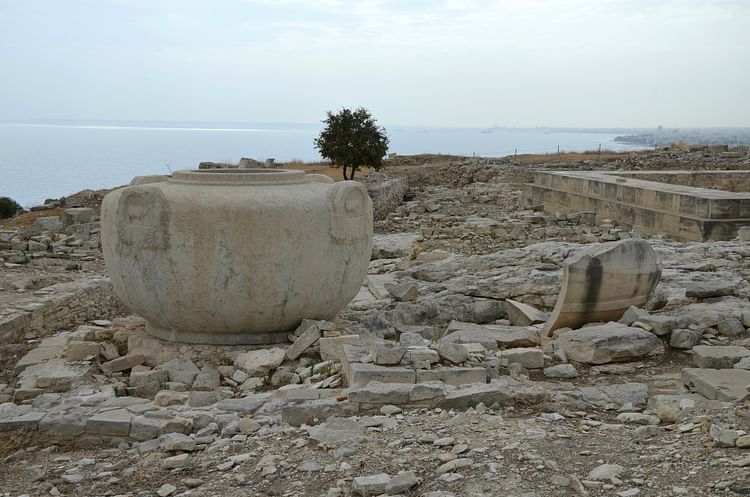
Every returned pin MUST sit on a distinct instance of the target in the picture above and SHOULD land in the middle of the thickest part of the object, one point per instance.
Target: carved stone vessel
(236, 256)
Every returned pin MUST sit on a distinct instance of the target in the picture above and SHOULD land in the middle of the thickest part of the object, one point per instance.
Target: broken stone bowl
(236, 256)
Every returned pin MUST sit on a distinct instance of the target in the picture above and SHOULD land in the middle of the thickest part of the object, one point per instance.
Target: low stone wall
(682, 212)
(729, 181)
(59, 306)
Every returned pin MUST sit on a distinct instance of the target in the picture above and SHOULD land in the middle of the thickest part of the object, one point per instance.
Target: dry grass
(324, 168)
(26, 220)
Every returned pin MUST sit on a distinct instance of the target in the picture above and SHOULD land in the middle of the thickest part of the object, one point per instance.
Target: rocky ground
(453, 390)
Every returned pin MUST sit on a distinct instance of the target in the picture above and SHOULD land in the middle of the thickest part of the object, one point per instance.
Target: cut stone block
(122, 363)
(601, 283)
(303, 341)
(260, 362)
(115, 423)
(663, 325)
(331, 348)
(28, 420)
(611, 342)
(684, 339)
(718, 356)
(529, 358)
(361, 374)
(453, 352)
(520, 314)
(453, 376)
(718, 384)
(78, 350)
(470, 396)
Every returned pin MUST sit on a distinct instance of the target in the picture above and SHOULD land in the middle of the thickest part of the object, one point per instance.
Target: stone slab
(718, 384)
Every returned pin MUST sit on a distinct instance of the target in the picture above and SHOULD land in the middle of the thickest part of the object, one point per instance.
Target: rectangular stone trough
(683, 212)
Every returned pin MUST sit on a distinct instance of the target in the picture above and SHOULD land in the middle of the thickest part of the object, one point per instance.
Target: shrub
(9, 207)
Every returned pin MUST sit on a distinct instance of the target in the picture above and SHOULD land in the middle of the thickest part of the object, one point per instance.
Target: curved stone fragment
(600, 283)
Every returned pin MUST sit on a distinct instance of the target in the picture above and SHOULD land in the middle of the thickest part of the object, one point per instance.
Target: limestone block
(731, 327)
(528, 357)
(600, 283)
(471, 395)
(114, 423)
(684, 338)
(303, 341)
(138, 378)
(612, 342)
(455, 353)
(331, 348)
(27, 420)
(78, 350)
(389, 355)
(718, 384)
(49, 223)
(362, 374)
(77, 215)
(393, 245)
(260, 362)
(520, 314)
(663, 325)
(122, 363)
(64, 426)
(180, 370)
(251, 282)
(718, 356)
(453, 376)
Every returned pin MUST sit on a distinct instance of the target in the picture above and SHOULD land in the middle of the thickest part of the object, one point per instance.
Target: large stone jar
(236, 256)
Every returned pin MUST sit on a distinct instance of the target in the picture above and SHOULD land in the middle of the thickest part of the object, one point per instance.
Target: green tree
(352, 139)
(9, 207)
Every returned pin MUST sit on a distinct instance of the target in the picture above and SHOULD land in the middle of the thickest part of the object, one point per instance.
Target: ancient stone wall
(59, 306)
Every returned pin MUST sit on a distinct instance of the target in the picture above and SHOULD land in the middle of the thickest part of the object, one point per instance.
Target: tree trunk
(344, 169)
(352, 175)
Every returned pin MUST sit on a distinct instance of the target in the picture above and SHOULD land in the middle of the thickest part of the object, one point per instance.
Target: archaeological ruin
(523, 326)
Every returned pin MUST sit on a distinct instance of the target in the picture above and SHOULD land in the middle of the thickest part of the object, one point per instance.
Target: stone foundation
(59, 306)
(682, 212)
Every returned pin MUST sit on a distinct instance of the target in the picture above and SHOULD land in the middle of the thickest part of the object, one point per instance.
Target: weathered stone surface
(172, 442)
(258, 300)
(663, 325)
(561, 371)
(394, 245)
(207, 380)
(389, 355)
(453, 376)
(601, 282)
(611, 342)
(115, 423)
(718, 356)
(122, 363)
(180, 370)
(528, 357)
(260, 362)
(401, 483)
(731, 327)
(336, 431)
(491, 336)
(27, 420)
(370, 485)
(718, 384)
(362, 374)
(403, 292)
(303, 341)
(138, 378)
(469, 396)
(520, 314)
(78, 350)
(684, 338)
(331, 348)
(453, 352)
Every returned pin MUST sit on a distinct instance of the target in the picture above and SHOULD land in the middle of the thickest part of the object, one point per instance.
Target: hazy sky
(593, 63)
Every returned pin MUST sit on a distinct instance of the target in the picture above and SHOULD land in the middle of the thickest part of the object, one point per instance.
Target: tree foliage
(352, 139)
(9, 207)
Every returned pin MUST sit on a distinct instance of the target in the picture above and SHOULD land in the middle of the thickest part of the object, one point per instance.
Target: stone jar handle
(143, 216)
(350, 210)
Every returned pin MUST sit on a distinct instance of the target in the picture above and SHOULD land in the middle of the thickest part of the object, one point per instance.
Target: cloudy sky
(593, 63)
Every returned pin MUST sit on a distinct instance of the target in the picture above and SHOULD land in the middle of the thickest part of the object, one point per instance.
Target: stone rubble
(436, 380)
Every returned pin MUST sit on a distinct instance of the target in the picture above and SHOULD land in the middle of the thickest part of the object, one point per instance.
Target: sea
(42, 160)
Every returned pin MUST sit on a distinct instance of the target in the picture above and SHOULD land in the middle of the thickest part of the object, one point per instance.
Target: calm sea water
(39, 161)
